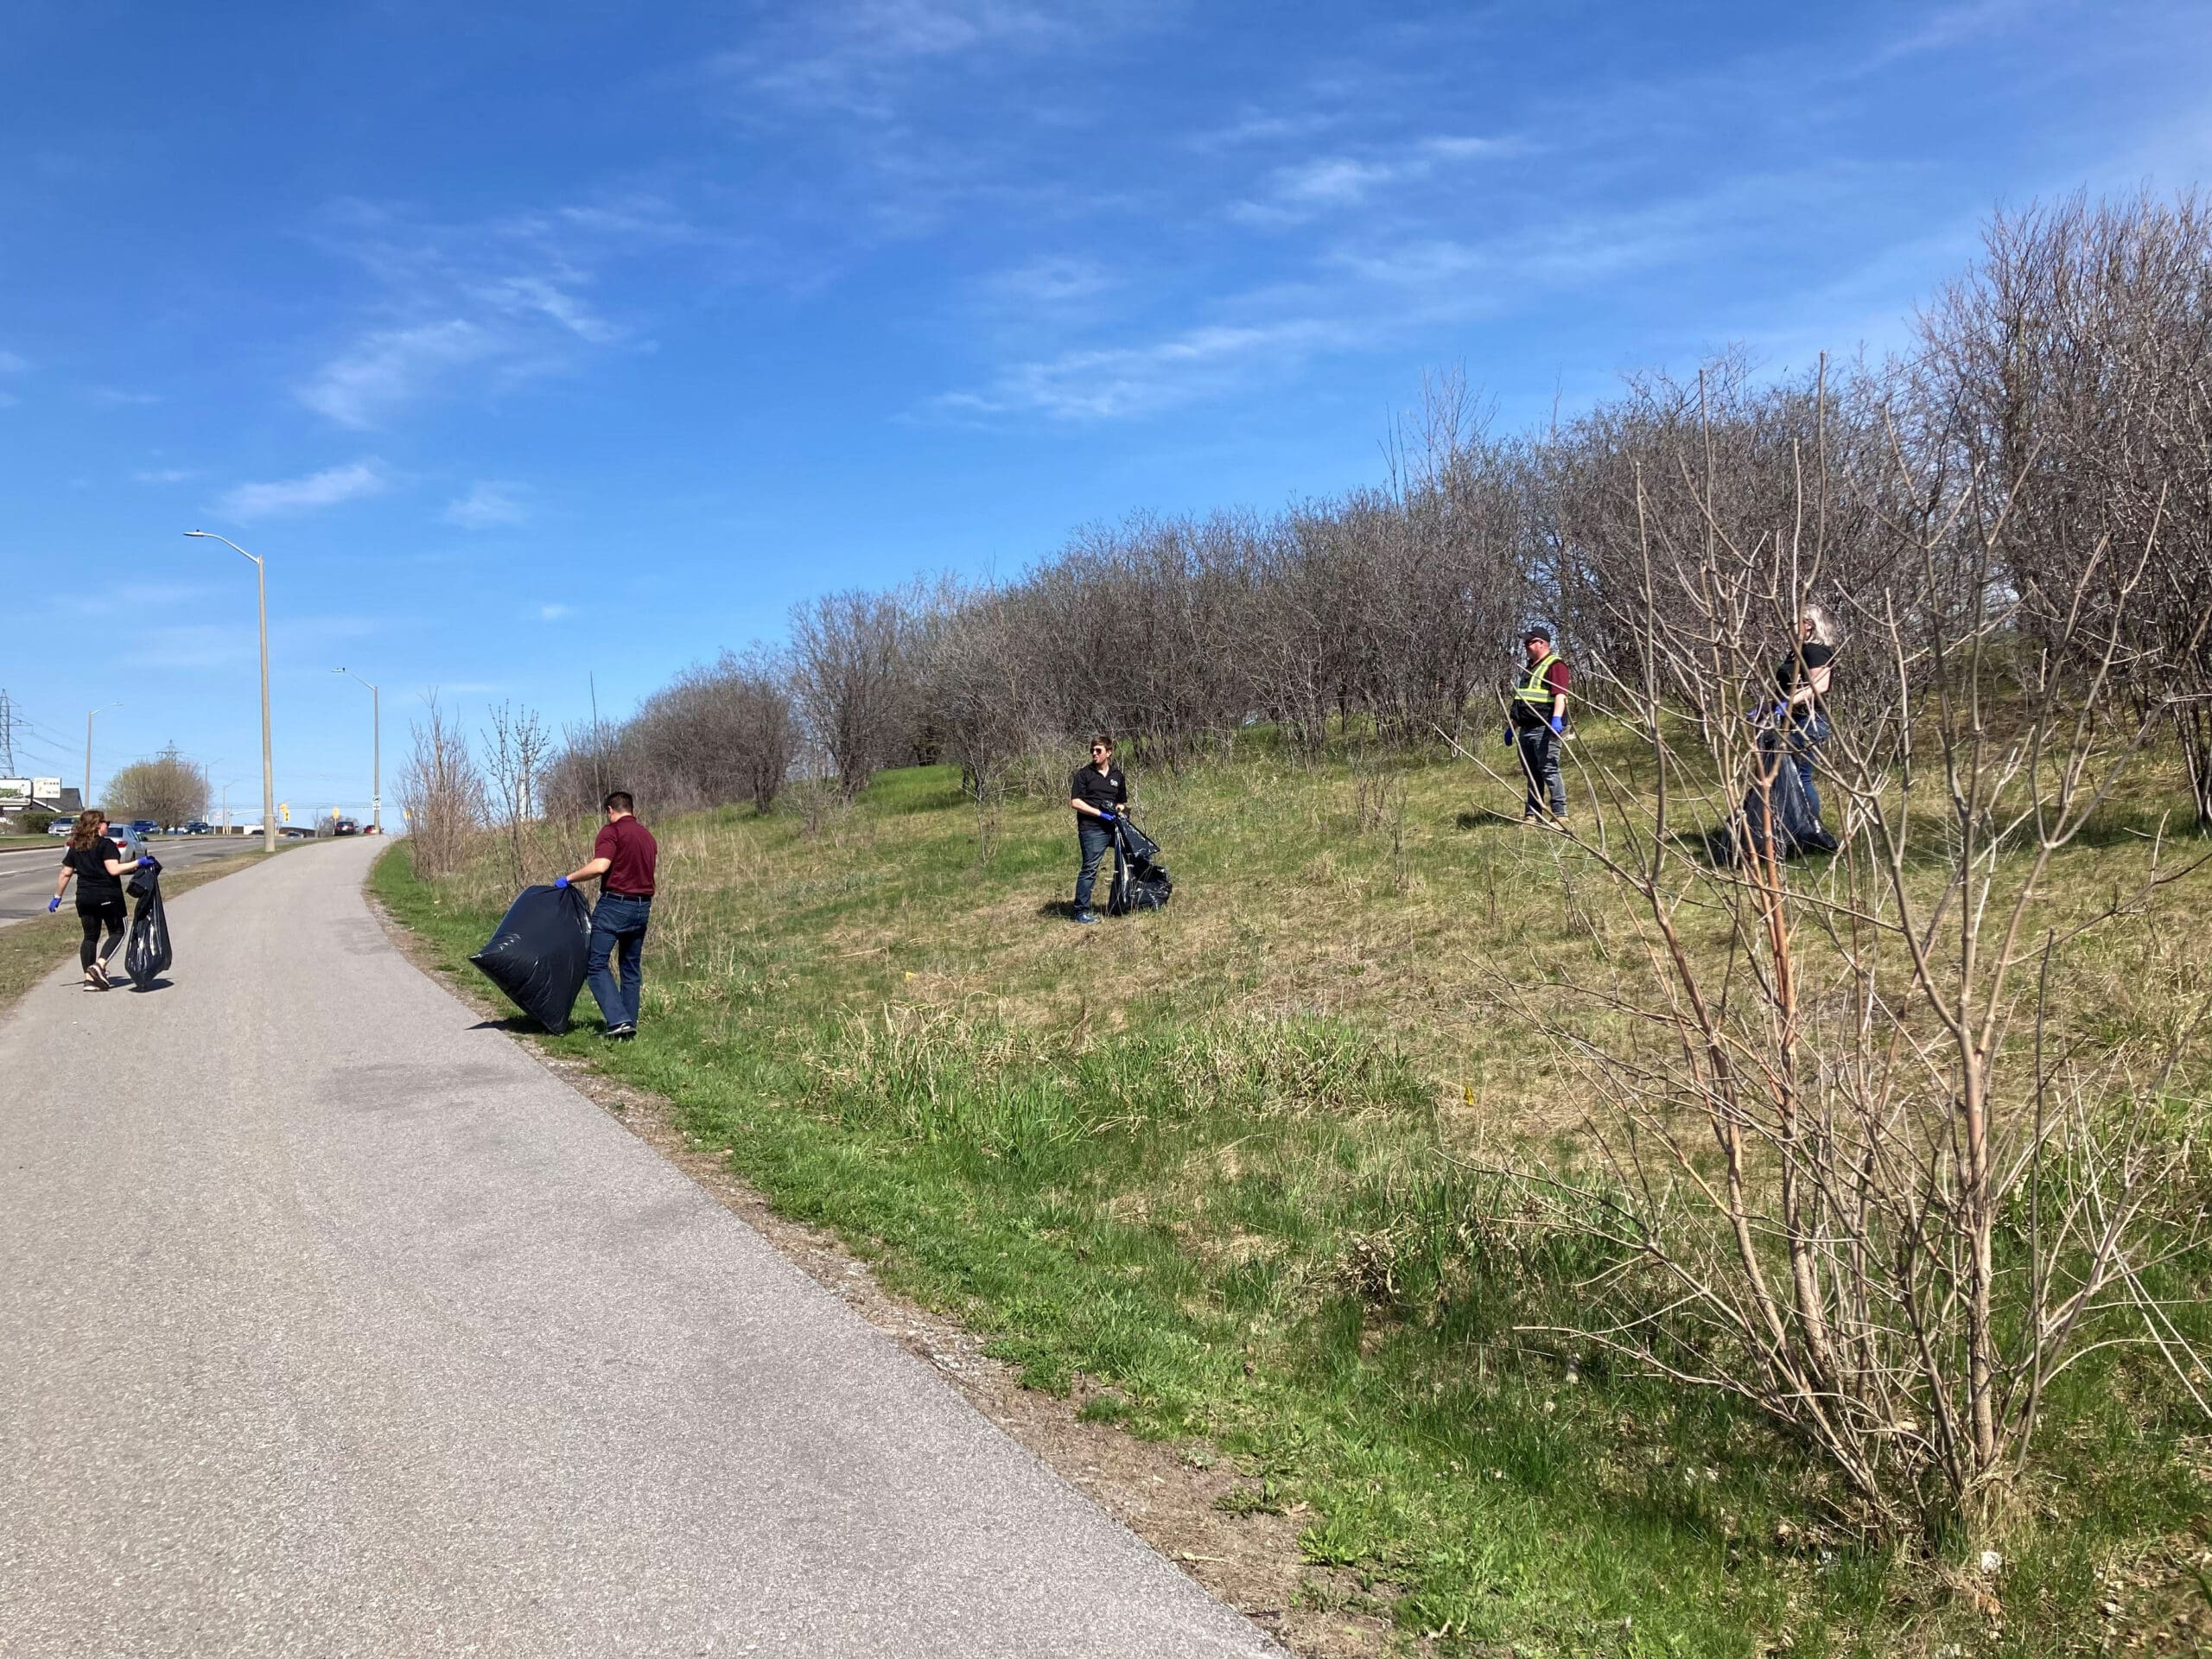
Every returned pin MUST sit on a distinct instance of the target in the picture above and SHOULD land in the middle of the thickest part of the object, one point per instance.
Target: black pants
(1539, 747)
(90, 918)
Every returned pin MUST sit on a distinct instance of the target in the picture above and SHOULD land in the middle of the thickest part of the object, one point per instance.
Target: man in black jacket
(1097, 792)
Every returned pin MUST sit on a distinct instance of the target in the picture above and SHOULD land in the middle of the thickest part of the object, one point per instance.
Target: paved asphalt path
(331, 1324)
(27, 877)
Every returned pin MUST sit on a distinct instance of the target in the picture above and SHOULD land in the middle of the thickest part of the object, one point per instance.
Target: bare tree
(1861, 1168)
(167, 788)
(852, 675)
(518, 750)
(2076, 362)
(441, 793)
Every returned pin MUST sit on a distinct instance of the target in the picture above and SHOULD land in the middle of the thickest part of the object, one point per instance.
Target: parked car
(296, 831)
(199, 827)
(62, 826)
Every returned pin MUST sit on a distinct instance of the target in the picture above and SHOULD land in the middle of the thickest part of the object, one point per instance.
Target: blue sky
(535, 342)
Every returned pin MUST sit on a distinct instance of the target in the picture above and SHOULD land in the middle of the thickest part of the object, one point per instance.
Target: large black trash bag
(536, 954)
(147, 954)
(1141, 881)
(1776, 820)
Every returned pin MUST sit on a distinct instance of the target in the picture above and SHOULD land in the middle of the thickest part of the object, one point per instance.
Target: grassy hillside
(1226, 1160)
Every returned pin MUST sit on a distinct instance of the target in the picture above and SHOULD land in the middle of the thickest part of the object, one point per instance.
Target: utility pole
(375, 747)
(7, 736)
(88, 746)
(268, 766)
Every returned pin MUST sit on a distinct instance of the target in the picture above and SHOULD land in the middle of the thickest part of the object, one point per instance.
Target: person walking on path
(1538, 722)
(98, 865)
(1098, 793)
(1803, 676)
(623, 859)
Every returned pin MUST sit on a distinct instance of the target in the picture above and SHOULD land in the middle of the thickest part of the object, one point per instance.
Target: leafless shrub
(1862, 1171)
(518, 749)
(441, 793)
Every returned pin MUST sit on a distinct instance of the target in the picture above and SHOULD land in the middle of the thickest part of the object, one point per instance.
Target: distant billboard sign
(14, 791)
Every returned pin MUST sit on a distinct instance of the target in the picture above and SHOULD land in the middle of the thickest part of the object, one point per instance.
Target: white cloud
(114, 398)
(12, 364)
(555, 613)
(389, 367)
(1118, 382)
(856, 58)
(487, 506)
(1303, 190)
(165, 476)
(504, 298)
(318, 490)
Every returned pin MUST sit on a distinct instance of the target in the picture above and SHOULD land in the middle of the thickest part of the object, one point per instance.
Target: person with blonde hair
(98, 865)
(1803, 676)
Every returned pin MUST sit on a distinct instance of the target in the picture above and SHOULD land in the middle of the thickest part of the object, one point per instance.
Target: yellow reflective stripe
(1533, 690)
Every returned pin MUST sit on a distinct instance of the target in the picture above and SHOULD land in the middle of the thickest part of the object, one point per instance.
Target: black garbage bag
(146, 954)
(1141, 881)
(1777, 819)
(536, 954)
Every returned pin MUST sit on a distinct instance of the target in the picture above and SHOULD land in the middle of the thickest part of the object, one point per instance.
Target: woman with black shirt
(1097, 792)
(98, 865)
(1803, 677)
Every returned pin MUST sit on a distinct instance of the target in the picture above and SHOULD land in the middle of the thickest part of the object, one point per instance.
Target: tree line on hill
(2051, 431)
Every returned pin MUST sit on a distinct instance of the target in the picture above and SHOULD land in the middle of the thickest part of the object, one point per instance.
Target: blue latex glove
(1558, 725)
(560, 881)
(146, 863)
(1509, 736)
(54, 904)
(1106, 817)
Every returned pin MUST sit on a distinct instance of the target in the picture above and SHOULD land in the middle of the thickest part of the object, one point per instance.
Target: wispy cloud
(387, 368)
(855, 58)
(487, 506)
(1115, 382)
(247, 502)
(555, 613)
(116, 397)
(508, 297)
(165, 476)
(1321, 184)
(12, 364)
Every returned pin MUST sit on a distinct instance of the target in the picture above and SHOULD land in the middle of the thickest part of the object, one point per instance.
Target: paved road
(27, 877)
(333, 1325)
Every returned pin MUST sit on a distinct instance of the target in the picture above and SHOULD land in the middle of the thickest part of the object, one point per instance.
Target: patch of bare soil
(1186, 1501)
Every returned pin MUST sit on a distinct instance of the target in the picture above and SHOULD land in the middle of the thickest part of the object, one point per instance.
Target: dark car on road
(199, 827)
(346, 827)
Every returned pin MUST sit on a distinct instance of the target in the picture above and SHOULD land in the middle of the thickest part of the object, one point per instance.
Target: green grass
(1217, 1159)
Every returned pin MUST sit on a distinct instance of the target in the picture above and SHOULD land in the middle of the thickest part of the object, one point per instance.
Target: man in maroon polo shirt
(623, 858)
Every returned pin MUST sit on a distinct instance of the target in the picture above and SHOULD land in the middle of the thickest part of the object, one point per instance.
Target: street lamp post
(268, 766)
(102, 709)
(376, 748)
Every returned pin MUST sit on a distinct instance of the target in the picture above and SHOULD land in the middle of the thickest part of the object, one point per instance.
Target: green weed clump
(1247, 1164)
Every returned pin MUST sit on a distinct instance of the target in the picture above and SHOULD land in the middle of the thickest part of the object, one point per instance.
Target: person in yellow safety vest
(1538, 722)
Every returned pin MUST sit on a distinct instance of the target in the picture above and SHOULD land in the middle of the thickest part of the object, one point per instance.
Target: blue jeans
(1809, 729)
(1093, 838)
(1539, 749)
(617, 925)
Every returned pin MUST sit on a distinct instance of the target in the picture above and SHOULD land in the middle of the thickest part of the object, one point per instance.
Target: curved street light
(268, 767)
(375, 747)
(89, 713)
